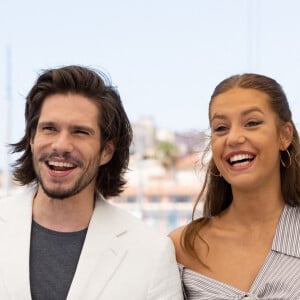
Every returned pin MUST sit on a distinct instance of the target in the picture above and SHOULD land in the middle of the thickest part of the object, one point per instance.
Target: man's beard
(61, 194)
(82, 182)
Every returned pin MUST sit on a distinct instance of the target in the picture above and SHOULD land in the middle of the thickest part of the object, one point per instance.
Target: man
(62, 240)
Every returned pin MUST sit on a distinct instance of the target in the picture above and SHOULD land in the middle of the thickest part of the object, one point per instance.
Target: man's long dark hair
(113, 123)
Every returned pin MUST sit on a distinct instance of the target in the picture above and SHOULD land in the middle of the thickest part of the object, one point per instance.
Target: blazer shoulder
(136, 227)
(16, 202)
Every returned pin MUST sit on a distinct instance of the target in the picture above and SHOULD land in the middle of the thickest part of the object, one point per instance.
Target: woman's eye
(253, 123)
(220, 128)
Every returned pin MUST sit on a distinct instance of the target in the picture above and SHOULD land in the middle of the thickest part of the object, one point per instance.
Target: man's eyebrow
(72, 127)
(84, 128)
(45, 123)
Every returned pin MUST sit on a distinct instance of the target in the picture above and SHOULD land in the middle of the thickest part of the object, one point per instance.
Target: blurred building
(144, 136)
(163, 198)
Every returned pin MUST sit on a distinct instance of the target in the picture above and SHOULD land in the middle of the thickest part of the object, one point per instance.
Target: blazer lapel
(101, 255)
(15, 228)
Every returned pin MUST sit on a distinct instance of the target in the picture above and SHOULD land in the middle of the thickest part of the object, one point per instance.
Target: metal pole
(253, 38)
(7, 123)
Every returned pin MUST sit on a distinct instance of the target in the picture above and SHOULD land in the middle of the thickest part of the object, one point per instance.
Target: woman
(247, 244)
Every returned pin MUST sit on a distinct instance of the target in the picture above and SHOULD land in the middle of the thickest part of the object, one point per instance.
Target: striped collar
(287, 236)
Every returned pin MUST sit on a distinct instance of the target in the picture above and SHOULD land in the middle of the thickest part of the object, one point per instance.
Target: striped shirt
(278, 278)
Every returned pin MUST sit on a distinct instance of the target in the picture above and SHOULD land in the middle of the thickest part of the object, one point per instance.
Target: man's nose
(63, 142)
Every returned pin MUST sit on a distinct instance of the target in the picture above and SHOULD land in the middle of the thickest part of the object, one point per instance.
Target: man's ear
(286, 136)
(31, 144)
(107, 153)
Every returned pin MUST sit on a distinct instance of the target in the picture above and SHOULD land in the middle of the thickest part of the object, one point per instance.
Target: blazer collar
(102, 253)
(103, 250)
(15, 228)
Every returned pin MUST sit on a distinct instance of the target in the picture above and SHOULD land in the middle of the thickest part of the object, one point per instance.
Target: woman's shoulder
(176, 235)
(177, 239)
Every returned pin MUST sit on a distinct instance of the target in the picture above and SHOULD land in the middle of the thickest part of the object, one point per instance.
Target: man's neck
(65, 215)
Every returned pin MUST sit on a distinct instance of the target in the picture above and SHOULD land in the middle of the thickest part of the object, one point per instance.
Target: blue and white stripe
(278, 279)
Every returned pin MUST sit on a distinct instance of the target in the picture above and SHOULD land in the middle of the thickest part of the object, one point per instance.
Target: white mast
(7, 124)
(253, 13)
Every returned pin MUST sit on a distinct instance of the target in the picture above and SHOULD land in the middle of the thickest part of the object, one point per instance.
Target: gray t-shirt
(53, 261)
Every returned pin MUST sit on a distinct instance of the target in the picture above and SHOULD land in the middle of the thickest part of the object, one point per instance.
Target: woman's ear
(107, 153)
(286, 136)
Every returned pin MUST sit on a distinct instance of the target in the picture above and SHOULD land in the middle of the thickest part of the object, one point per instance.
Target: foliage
(166, 153)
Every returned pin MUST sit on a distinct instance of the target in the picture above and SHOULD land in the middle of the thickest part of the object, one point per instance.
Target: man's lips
(60, 165)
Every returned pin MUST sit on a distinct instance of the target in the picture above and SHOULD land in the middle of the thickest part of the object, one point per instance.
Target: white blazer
(121, 257)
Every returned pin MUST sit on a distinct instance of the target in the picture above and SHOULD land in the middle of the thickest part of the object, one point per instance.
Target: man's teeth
(60, 164)
(240, 158)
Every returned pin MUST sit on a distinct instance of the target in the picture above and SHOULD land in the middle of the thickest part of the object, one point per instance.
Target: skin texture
(250, 128)
(66, 154)
(235, 243)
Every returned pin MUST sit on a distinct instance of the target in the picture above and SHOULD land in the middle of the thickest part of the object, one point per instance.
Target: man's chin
(59, 194)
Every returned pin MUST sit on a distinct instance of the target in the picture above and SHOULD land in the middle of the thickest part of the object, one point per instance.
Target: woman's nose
(236, 136)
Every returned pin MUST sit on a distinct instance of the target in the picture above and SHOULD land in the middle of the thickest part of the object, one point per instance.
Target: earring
(289, 157)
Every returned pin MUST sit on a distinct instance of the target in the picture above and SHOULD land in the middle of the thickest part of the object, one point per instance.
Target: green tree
(166, 153)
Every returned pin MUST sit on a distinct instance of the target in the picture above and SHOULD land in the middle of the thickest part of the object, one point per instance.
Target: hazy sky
(165, 56)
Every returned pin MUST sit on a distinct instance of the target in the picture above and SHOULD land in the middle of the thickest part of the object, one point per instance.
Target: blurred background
(165, 57)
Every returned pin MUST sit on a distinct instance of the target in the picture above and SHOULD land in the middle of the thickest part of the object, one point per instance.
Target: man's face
(66, 147)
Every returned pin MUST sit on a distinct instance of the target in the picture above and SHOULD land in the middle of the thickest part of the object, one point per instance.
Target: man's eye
(81, 132)
(48, 128)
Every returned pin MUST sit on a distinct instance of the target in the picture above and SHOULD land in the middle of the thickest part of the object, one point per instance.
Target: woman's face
(246, 138)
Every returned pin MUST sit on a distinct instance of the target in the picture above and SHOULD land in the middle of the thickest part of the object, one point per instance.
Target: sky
(164, 56)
